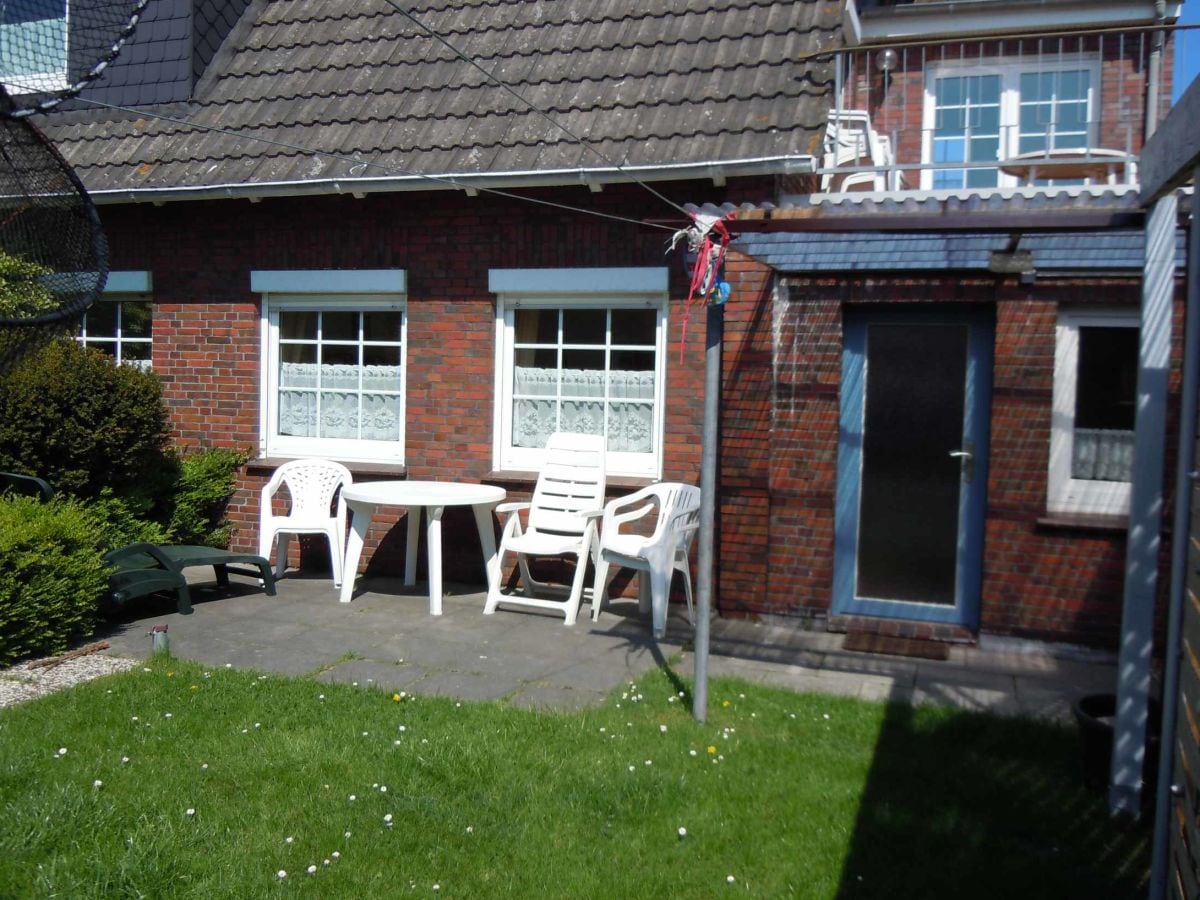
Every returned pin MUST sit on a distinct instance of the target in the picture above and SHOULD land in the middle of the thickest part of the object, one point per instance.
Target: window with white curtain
(581, 350)
(121, 322)
(1095, 401)
(334, 379)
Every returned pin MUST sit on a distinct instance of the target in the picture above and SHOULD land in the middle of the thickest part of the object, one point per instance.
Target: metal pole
(1145, 511)
(708, 502)
(1184, 475)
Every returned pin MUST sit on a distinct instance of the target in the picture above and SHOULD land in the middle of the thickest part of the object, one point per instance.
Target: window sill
(265, 465)
(1100, 522)
(510, 478)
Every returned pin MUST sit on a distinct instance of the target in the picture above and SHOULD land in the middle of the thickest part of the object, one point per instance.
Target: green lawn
(184, 782)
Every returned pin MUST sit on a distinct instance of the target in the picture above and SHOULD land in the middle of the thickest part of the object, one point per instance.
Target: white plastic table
(363, 498)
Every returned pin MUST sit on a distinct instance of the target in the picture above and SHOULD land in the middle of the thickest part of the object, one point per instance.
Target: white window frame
(119, 288)
(50, 79)
(1064, 493)
(625, 288)
(326, 290)
(1010, 69)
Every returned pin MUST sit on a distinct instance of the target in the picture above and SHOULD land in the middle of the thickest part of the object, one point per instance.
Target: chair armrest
(512, 506)
(141, 548)
(591, 513)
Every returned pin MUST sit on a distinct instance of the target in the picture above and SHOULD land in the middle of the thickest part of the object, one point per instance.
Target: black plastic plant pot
(1095, 715)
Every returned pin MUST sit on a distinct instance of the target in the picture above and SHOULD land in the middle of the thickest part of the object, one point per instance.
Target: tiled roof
(648, 84)
(864, 250)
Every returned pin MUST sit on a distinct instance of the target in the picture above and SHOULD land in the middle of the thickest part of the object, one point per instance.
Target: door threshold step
(922, 648)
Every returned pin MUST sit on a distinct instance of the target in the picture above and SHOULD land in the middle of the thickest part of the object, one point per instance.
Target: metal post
(708, 502)
(1188, 403)
(1145, 511)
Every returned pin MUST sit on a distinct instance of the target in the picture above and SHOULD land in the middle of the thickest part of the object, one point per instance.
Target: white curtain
(630, 423)
(1102, 455)
(339, 409)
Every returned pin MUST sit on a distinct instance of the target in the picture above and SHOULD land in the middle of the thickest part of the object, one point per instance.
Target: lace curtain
(630, 406)
(340, 415)
(1102, 455)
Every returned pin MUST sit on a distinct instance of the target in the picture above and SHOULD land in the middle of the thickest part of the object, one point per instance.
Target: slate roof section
(647, 84)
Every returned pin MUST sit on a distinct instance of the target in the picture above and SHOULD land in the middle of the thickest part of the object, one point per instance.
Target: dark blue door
(912, 463)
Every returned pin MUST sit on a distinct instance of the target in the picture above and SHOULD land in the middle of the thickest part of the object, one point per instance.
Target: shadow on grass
(961, 804)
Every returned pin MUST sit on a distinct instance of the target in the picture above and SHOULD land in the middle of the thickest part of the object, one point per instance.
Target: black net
(53, 256)
(48, 53)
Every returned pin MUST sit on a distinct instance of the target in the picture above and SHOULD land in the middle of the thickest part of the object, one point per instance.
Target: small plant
(51, 576)
(206, 482)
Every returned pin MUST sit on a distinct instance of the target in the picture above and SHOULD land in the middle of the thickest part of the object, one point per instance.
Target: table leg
(410, 553)
(433, 543)
(487, 540)
(360, 522)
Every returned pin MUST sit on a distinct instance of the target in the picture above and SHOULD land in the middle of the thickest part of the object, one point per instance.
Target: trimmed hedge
(51, 576)
(71, 415)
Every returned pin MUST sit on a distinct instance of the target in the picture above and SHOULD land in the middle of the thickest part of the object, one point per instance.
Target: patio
(385, 638)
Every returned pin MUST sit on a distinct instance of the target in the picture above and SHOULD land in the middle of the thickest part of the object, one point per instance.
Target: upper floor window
(33, 45)
(1092, 426)
(121, 322)
(334, 373)
(580, 350)
(987, 113)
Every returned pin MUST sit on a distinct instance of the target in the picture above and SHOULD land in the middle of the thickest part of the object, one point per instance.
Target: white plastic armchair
(311, 485)
(570, 485)
(660, 555)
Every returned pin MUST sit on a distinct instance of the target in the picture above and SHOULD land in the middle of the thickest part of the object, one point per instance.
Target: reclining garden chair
(570, 485)
(141, 569)
(659, 555)
(25, 486)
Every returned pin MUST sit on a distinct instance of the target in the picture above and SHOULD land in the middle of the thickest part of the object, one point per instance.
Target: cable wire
(515, 93)
(385, 167)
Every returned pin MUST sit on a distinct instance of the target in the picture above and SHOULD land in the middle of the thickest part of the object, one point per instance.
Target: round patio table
(364, 498)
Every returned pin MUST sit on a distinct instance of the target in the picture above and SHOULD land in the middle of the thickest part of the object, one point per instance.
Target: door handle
(967, 456)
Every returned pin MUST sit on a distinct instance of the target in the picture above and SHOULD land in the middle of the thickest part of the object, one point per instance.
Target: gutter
(473, 182)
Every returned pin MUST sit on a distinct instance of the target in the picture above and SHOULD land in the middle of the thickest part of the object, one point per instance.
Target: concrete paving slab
(464, 685)
(373, 673)
(545, 696)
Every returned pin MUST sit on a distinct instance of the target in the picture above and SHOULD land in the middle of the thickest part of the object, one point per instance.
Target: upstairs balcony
(1049, 111)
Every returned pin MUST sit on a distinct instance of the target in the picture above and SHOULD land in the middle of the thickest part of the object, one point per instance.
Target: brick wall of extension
(779, 412)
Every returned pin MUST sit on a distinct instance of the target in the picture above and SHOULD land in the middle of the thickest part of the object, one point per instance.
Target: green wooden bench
(141, 569)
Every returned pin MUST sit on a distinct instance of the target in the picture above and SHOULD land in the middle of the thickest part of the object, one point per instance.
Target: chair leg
(267, 577)
(686, 570)
(336, 556)
(281, 553)
(599, 587)
(184, 597)
(660, 591)
(222, 573)
(572, 604)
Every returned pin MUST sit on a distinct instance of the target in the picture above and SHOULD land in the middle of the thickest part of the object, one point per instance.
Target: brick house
(349, 243)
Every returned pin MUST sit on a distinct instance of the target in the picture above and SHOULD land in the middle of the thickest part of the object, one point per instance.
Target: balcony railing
(1049, 111)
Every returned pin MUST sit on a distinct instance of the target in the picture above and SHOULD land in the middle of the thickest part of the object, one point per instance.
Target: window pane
(633, 360)
(339, 326)
(1107, 379)
(339, 355)
(583, 359)
(985, 89)
(585, 326)
(135, 318)
(381, 356)
(102, 320)
(949, 150)
(298, 353)
(295, 325)
(380, 419)
(135, 351)
(981, 178)
(949, 91)
(1034, 116)
(541, 357)
(109, 347)
(1073, 85)
(634, 326)
(298, 413)
(381, 326)
(536, 326)
(950, 122)
(984, 149)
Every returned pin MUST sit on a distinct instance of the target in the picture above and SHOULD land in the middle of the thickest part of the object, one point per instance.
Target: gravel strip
(22, 683)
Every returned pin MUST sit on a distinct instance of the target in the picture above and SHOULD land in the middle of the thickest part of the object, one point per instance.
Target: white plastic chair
(311, 484)
(851, 141)
(570, 485)
(660, 555)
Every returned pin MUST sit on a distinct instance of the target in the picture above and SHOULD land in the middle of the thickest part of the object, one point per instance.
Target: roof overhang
(472, 183)
(874, 24)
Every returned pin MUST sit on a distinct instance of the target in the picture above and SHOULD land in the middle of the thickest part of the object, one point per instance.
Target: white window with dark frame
(581, 350)
(121, 322)
(334, 352)
(33, 45)
(989, 111)
(1092, 425)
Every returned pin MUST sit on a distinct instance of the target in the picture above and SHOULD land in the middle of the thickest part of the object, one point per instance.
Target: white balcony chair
(660, 555)
(311, 485)
(851, 141)
(571, 484)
